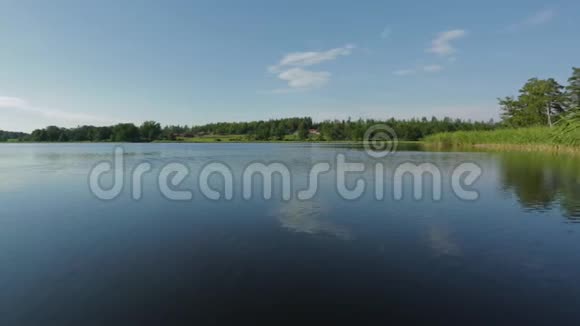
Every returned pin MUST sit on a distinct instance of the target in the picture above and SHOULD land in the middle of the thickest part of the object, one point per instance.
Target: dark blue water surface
(69, 258)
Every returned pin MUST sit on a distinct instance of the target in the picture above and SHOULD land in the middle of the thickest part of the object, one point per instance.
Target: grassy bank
(521, 136)
(560, 139)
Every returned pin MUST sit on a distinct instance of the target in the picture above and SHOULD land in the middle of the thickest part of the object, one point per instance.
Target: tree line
(123, 132)
(9, 135)
(330, 130)
(299, 128)
(541, 102)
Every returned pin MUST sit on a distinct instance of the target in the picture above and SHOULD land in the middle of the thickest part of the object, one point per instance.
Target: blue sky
(191, 62)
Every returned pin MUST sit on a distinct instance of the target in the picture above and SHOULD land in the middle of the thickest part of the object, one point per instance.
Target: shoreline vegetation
(543, 139)
(279, 130)
(544, 117)
(542, 148)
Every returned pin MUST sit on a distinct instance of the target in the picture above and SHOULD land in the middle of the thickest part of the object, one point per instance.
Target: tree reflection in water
(541, 181)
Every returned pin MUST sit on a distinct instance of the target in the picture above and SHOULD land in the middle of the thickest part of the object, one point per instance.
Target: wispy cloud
(432, 68)
(300, 78)
(291, 68)
(412, 71)
(303, 59)
(64, 117)
(441, 45)
(538, 18)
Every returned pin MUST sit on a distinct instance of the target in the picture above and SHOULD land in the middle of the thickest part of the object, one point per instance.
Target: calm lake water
(66, 257)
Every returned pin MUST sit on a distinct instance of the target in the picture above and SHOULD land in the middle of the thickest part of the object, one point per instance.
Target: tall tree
(511, 112)
(53, 133)
(542, 100)
(150, 130)
(573, 88)
(302, 132)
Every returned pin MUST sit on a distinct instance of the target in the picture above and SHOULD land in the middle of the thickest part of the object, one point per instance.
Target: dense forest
(541, 102)
(9, 135)
(276, 129)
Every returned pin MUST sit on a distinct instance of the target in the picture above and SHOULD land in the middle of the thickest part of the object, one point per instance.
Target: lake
(67, 257)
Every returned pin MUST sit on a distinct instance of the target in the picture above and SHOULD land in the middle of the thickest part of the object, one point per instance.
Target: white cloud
(441, 45)
(303, 59)
(304, 79)
(432, 68)
(539, 18)
(63, 118)
(290, 68)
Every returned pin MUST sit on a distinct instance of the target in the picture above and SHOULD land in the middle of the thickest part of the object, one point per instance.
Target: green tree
(542, 100)
(302, 132)
(150, 130)
(63, 137)
(573, 88)
(103, 134)
(125, 132)
(279, 132)
(53, 133)
(511, 112)
(39, 135)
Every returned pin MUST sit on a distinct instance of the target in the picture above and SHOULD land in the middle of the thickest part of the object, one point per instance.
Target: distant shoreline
(328, 142)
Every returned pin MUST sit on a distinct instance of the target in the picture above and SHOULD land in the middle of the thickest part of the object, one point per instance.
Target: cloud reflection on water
(311, 217)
